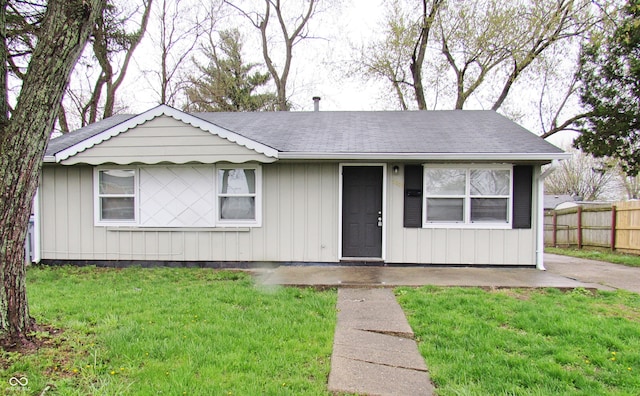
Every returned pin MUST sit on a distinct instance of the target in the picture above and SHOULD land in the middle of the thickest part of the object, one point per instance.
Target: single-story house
(412, 187)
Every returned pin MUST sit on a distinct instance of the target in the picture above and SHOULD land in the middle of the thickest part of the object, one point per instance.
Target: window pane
(237, 208)
(445, 181)
(237, 181)
(116, 181)
(489, 209)
(445, 209)
(489, 182)
(117, 208)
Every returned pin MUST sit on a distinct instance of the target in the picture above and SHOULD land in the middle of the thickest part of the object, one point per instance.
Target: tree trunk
(420, 49)
(61, 37)
(4, 58)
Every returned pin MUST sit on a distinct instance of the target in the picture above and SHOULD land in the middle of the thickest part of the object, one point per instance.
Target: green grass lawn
(515, 342)
(173, 332)
(608, 256)
(205, 332)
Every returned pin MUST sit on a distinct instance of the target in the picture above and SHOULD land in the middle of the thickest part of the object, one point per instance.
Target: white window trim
(467, 198)
(97, 209)
(217, 222)
(257, 222)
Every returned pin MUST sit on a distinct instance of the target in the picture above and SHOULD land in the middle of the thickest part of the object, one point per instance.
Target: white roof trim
(426, 156)
(170, 112)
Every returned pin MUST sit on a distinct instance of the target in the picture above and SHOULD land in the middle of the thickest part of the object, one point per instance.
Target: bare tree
(584, 176)
(180, 26)
(481, 50)
(62, 32)
(631, 185)
(112, 49)
(400, 55)
(489, 42)
(292, 30)
(388, 58)
(474, 47)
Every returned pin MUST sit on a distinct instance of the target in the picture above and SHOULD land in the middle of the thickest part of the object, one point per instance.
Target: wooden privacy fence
(616, 226)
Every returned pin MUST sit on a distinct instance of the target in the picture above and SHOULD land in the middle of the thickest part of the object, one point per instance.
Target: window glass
(237, 208)
(237, 181)
(467, 194)
(445, 209)
(117, 182)
(489, 182)
(445, 181)
(489, 209)
(116, 194)
(117, 208)
(237, 194)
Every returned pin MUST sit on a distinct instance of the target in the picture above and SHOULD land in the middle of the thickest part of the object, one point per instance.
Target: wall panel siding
(165, 139)
(463, 246)
(61, 225)
(299, 222)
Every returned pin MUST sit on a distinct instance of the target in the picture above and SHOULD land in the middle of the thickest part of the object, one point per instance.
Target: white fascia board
(426, 156)
(157, 112)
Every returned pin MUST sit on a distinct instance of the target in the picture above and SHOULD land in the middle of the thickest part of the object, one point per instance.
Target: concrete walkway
(374, 352)
(594, 272)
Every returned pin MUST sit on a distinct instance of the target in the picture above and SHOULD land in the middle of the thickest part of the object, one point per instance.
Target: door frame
(384, 211)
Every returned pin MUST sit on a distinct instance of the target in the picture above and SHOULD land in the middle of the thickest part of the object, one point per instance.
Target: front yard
(174, 332)
(197, 332)
(527, 342)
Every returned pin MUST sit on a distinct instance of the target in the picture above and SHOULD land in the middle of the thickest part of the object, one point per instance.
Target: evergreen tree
(227, 83)
(611, 92)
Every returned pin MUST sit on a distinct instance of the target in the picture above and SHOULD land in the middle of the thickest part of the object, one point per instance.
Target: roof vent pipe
(316, 103)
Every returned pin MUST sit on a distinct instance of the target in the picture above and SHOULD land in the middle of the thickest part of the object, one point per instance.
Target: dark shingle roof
(455, 131)
(67, 140)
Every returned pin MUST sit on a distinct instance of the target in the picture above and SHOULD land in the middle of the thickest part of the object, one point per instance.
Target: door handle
(380, 218)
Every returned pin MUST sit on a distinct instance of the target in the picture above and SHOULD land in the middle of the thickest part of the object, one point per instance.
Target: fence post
(613, 227)
(579, 213)
(554, 241)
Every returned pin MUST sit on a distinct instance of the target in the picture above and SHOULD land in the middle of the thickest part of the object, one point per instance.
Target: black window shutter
(413, 196)
(522, 195)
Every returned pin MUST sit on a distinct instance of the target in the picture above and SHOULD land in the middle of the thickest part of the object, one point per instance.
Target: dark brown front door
(361, 211)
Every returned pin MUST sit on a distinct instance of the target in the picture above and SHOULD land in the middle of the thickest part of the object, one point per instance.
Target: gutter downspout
(540, 214)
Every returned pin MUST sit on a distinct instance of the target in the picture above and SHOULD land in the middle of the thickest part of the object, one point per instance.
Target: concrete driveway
(590, 271)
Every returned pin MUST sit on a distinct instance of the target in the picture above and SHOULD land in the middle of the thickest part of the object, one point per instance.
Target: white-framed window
(467, 195)
(116, 198)
(237, 195)
(179, 196)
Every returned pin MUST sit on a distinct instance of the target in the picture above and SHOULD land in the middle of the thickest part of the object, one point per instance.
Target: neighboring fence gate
(616, 227)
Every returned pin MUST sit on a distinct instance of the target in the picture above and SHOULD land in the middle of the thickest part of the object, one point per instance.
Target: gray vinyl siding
(454, 246)
(299, 220)
(165, 139)
(299, 223)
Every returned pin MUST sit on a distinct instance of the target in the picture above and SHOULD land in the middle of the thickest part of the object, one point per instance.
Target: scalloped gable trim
(175, 114)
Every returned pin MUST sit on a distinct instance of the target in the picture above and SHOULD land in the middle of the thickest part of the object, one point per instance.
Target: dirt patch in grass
(519, 294)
